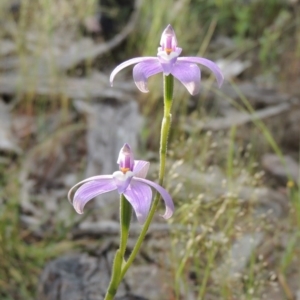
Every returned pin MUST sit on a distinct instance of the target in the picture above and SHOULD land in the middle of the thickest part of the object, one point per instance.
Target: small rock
(148, 280)
(210, 186)
(257, 95)
(267, 201)
(281, 169)
(24, 126)
(7, 140)
(82, 277)
(7, 47)
(76, 277)
(233, 68)
(110, 125)
(239, 255)
(291, 138)
(92, 24)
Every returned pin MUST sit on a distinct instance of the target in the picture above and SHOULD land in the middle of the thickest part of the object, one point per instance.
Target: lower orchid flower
(185, 69)
(129, 181)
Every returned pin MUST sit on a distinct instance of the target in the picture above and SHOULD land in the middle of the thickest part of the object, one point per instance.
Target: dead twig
(285, 286)
(240, 118)
(74, 88)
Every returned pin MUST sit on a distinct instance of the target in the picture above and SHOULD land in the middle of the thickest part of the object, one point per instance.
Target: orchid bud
(125, 159)
(168, 40)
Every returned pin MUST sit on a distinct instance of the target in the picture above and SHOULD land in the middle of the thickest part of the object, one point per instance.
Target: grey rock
(8, 142)
(232, 68)
(281, 169)
(76, 277)
(110, 125)
(210, 185)
(80, 277)
(148, 280)
(256, 94)
(239, 255)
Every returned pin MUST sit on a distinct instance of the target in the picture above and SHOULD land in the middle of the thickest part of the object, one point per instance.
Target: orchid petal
(122, 180)
(139, 195)
(128, 63)
(189, 75)
(140, 168)
(143, 70)
(90, 190)
(93, 178)
(165, 195)
(207, 63)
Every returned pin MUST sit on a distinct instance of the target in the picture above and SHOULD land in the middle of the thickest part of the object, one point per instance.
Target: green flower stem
(121, 266)
(115, 277)
(125, 217)
(165, 128)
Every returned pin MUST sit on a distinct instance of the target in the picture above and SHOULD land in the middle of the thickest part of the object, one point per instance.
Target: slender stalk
(165, 128)
(125, 217)
(121, 266)
(115, 276)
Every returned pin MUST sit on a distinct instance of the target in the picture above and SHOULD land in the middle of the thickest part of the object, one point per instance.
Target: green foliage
(22, 255)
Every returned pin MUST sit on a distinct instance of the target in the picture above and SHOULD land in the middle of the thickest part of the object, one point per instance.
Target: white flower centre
(166, 56)
(121, 176)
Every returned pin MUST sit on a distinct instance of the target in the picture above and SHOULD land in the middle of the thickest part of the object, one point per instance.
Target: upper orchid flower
(169, 62)
(129, 181)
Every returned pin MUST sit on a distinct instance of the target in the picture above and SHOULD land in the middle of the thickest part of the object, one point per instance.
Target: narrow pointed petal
(189, 75)
(128, 63)
(122, 180)
(93, 178)
(90, 190)
(143, 70)
(207, 63)
(164, 194)
(139, 196)
(140, 168)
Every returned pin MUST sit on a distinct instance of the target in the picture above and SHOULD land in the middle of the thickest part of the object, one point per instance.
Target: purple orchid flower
(169, 62)
(129, 181)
